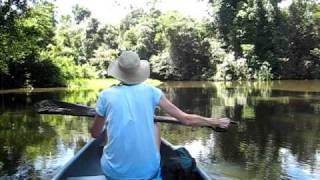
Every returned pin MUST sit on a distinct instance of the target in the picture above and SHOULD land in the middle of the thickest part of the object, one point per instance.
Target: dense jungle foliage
(240, 40)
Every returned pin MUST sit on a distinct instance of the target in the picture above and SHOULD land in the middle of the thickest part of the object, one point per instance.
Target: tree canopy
(241, 40)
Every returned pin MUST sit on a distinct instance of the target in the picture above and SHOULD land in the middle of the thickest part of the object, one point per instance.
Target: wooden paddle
(64, 108)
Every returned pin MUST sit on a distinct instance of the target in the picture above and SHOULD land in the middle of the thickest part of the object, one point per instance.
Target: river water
(278, 136)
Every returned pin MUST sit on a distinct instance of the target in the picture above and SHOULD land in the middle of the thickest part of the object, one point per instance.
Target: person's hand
(221, 122)
(224, 122)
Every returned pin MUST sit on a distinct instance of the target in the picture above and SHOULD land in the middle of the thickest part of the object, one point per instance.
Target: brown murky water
(278, 136)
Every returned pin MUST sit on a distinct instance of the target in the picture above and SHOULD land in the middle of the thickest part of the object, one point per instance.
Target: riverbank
(76, 85)
(85, 84)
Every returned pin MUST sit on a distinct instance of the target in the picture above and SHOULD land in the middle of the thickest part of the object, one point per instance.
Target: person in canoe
(126, 112)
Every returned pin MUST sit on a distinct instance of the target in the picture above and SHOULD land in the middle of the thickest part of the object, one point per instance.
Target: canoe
(86, 163)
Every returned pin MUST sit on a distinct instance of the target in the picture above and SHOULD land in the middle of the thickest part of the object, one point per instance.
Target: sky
(285, 3)
(112, 11)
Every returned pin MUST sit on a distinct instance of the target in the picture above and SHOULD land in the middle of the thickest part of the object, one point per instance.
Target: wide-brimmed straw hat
(129, 69)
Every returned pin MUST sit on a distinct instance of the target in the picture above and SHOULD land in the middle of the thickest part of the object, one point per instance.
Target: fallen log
(64, 108)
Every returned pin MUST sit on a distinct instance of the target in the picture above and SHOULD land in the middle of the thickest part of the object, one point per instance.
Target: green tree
(91, 41)
(304, 41)
(224, 15)
(80, 13)
(189, 50)
(256, 22)
(147, 36)
(109, 35)
(151, 39)
(24, 36)
(131, 20)
(9, 12)
(270, 42)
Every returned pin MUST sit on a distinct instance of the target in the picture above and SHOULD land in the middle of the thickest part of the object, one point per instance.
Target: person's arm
(97, 127)
(191, 119)
(99, 119)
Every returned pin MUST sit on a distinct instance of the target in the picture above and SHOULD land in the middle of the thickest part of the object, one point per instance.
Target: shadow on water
(277, 136)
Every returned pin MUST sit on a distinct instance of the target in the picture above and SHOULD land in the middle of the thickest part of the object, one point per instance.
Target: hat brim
(139, 75)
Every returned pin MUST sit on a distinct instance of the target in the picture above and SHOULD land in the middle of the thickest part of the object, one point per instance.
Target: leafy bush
(232, 69)
(264, 72)
(33, 73)
(228, 67)
(102, 58)
(162, 67)
(315, 55)
(44, 74)
(69, 70)
(188, 49)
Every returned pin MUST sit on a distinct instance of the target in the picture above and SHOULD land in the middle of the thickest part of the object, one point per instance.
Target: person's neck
(125, 84)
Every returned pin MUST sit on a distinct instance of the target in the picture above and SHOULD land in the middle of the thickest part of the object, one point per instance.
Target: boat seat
(101, 177)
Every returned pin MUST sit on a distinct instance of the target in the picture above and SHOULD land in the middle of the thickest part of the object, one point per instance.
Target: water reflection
(277, 138)
(271, 118)
(34, 146)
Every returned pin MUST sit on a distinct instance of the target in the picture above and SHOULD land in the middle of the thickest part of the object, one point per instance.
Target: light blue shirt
(131, 151)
